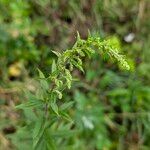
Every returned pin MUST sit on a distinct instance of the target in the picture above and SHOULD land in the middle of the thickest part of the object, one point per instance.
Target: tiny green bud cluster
(61, 75)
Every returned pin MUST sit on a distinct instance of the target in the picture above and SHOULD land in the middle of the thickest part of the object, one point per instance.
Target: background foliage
(110, 106)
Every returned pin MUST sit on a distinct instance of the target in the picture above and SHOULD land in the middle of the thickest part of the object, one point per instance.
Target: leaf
(54, 107)
(78, 36)
(68, 82)
(77, 65)
(43, 81)
(49, 141)
(41, 75)
(53, 66)
(89, 33)
(39, 135)
(31, 104)
(37, 128)
(66, 116)
(56, 53)
(119, 92)
(66, 105)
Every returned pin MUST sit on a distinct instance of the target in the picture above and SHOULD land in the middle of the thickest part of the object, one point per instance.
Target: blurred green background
(112, 106)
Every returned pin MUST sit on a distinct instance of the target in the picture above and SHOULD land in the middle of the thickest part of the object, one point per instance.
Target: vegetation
(60, 78)
(108, 106)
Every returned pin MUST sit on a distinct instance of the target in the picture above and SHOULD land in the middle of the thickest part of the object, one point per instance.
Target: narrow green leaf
(37, 139)
(66, 116)
(43, 81)
(31, 104)
(53, 66)
(37, 128)
(56, 53)
(78, 35)
(66, 105)
(54, 107)
(41, 75)
(49, 141)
